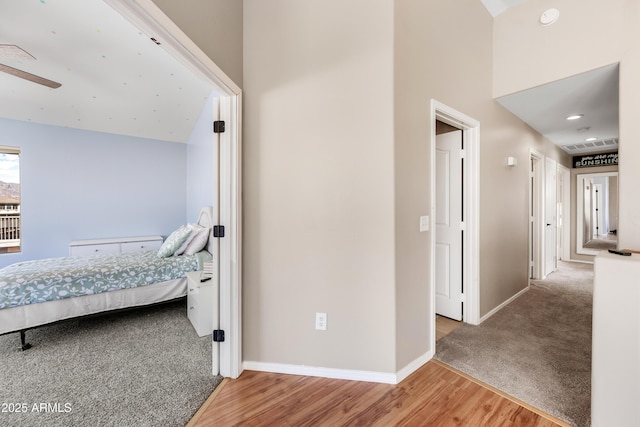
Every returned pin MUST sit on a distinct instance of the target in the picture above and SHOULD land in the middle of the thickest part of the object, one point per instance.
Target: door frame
(564, 234)
(471, 200)
(550, 165)
(149, 19)
(536, 221)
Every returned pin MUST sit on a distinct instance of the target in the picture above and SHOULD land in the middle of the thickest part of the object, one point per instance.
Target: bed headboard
(205, 219)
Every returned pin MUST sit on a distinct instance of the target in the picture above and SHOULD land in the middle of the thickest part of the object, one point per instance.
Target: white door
(597, 210)
(215, 161)
(151, 20)
(550, 216)
(449, 225)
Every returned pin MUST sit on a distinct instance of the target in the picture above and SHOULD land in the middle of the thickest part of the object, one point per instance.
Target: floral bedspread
(51, 279)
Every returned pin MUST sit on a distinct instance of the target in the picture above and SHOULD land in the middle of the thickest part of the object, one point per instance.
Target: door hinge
(218, 231)
(218, 126)
(218, 335)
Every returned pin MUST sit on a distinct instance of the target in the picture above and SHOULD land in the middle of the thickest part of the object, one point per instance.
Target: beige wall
(318, 183)
(336, 172)
(527, 54)
(337, 176)
(443, 50)
(215, 26)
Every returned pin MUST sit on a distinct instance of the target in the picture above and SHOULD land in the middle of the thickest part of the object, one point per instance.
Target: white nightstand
(202, 303)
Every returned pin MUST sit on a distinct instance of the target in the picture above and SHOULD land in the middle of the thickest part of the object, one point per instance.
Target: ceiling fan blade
(28, 76)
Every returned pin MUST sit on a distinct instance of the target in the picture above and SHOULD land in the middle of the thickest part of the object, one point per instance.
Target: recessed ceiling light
(591, 139)
(549, 16)
(575, 117)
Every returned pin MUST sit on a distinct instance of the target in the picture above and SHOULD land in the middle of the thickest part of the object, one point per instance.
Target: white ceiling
(593, 94)
(114, 78)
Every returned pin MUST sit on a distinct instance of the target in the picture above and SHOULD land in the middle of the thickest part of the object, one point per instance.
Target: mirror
(597, 212)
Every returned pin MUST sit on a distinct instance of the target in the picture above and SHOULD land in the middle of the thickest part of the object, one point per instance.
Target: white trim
(230, 246)
(403, 373)
(214, 249)
(312, 371)
(536, 238)
(147, 17)
(565, 174)
(342, 374)
(504, 304)
(471, 137)
(550, 165)
(580, 177)
(581, 261)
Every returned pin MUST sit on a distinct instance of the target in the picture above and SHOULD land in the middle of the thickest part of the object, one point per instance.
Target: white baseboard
(342, 374)
(501, 306)
(580, 261)
(413, 366)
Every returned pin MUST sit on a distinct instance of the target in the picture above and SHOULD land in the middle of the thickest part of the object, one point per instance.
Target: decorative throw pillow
(174, 241)
(184, 244)
(199, 241)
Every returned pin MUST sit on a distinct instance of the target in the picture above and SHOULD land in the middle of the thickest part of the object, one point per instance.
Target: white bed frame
(21, 318)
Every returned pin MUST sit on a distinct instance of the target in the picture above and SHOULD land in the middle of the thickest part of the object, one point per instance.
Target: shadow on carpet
(537, 348)
(142, 367)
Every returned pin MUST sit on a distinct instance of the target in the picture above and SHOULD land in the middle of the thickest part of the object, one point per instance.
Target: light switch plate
(424, 223)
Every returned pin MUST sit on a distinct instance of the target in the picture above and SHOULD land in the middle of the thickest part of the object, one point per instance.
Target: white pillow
(199, 240)
(174, 241)
(184, 244)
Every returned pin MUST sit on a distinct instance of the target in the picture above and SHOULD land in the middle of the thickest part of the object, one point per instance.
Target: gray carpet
(143, 367)
(538, 348)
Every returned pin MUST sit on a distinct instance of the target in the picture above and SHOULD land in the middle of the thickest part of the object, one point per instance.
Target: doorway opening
(454, 214)
(549, 215)
(536, 215)
(150, 20)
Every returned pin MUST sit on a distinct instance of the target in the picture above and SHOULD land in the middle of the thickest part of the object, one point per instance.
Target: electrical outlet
(321, 321)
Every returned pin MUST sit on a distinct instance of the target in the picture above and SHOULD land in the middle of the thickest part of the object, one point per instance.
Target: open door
(151, 21)
(536, 216)
(455, 210)
(551, 210)
(449, 225)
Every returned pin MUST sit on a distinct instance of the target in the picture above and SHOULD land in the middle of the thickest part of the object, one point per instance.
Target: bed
(40, 292)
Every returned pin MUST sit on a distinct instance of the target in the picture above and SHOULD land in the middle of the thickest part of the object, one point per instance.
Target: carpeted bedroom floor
(143, 367)
(538, 348)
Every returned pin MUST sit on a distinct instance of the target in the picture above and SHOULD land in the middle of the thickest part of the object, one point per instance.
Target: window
(10, 223)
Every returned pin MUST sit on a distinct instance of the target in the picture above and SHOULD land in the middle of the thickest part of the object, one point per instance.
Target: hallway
(538, 348)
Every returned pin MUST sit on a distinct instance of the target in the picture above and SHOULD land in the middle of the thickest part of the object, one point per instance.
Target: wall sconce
(512, 161)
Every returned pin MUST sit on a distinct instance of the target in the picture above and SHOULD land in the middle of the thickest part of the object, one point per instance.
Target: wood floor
(434, 395)
(444, 326)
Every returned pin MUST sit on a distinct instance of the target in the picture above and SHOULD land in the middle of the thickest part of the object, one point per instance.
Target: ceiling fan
(10, 51)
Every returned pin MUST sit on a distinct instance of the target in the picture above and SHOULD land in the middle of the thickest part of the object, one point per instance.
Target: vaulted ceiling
(116, 79)
(113, 77)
